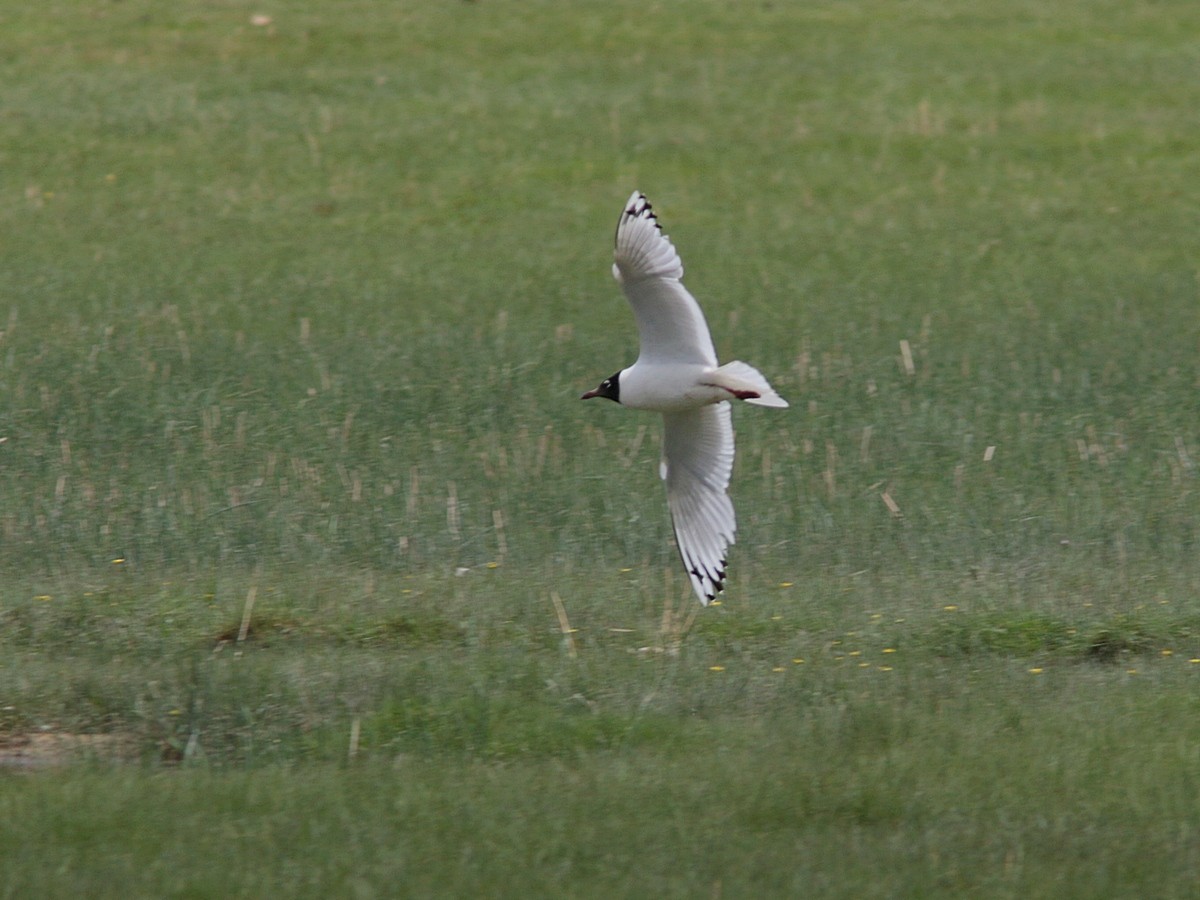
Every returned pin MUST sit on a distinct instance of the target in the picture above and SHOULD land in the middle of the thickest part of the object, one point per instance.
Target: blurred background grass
(298, 308)
(281, 293)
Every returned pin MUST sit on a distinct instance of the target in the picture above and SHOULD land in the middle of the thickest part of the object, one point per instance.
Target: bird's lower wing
(696, 465)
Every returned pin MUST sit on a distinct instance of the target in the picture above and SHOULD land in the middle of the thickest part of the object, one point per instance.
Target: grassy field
(318, 579)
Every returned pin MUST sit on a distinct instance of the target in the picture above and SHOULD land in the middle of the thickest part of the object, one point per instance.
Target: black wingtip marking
(715, 576)
(641, 209)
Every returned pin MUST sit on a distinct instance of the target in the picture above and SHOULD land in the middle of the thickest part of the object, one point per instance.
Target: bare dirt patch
(50, 749)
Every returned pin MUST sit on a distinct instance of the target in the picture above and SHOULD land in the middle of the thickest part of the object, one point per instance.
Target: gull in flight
(676, 374)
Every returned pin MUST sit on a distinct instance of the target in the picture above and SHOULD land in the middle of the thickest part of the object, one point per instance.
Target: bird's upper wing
(696, 464)
(669, 319)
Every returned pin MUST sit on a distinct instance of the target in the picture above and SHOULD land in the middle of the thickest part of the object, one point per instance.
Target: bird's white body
(677, 374)
(669, 387)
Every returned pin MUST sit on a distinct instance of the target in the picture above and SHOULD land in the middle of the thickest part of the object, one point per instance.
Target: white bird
(676, 374)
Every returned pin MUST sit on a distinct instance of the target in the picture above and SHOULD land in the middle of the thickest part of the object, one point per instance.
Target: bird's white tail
(740, 378)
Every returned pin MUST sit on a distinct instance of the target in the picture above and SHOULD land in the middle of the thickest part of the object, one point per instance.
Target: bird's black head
(610, 388)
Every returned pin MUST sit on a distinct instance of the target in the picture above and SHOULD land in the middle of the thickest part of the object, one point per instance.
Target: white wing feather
(670, 322)
(697, 462)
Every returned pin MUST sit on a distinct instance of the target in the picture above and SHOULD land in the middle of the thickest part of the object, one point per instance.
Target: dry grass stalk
(1185, 460)
(891, 504)
(830, 473)
(543, 447)
(247, 612)
(564, 624)
(414, 492)
(630, 454)
(501, 540)
(453, 520)
(675, 622)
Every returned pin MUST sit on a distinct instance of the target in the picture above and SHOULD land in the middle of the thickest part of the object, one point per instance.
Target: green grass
(293, 322)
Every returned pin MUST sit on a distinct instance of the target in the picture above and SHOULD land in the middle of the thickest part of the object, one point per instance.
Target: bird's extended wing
(669, 319)
(696, 464)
